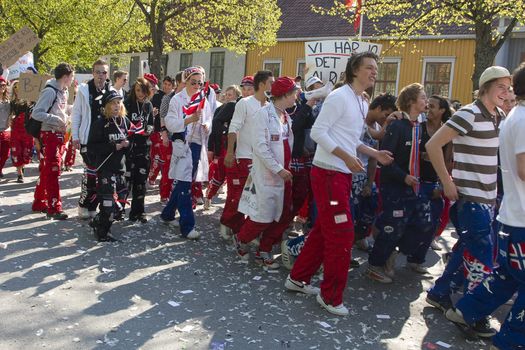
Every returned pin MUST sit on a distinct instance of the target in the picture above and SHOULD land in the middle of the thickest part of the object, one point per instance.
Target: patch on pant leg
(236, 182)
(142, 171)
(334, 203)
(388, 229)
(107, 203)
(398, 213)
(104, 181)
(340, 218)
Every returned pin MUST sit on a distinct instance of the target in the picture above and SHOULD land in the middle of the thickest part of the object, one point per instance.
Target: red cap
(151, 78)
(247, 81)
(2, 79)
(282, 86)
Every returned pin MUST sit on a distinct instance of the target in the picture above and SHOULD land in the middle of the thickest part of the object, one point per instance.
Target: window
(273, 66)
(217, 67)
(437, 76)
(300, 70)
(186, 60)
(387, 77)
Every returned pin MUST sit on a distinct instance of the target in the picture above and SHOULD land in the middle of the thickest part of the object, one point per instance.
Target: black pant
(137, 166)
(88, 187)
(108, 193)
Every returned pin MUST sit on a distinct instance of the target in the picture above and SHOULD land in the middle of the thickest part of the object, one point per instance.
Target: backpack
(33, 126)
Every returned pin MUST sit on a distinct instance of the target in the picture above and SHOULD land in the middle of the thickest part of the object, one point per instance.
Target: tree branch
(505, 34)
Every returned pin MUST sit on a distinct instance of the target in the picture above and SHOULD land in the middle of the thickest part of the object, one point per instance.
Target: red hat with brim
(247, 81)
(282, 86)
(152, 78)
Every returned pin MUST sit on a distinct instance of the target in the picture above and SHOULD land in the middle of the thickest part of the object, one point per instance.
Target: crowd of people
(383, 175)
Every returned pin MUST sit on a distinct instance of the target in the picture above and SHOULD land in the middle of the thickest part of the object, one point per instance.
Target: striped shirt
(475, 153)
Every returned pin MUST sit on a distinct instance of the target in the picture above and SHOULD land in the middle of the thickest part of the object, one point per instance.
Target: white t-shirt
(512, 143)
(339, 124)
(241, 124)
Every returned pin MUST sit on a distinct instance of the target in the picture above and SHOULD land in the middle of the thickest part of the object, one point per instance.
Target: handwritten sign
(17, 45)
(327, 59)
(21, 65)
(30, 85)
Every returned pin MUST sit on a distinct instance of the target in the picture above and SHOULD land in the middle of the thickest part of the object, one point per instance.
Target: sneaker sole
(291, 286)
(325, 306)
(436, 305)
(375, 277)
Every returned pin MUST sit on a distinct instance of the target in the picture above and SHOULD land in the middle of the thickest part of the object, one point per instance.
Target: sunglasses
(3, 85)
(195, 82)
(101, 72)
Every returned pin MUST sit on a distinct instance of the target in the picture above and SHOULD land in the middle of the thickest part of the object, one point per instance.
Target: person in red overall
(50, 109)
(21, 141)
(238, 157)
(267, 195)
(336, 130)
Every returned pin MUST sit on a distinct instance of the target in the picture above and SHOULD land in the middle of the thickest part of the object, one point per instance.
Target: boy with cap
(474, 134)
(238, 157)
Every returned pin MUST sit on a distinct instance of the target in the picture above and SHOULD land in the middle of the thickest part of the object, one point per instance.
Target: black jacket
(219, 127)
(143, 113)
(103, 138)
(303, 120)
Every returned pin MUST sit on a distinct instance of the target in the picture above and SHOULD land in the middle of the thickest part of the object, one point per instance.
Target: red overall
(235, 179)
(217, 174)
(4, 148)
(155, 156)
(71, 155)
(272, 232)
(47, 188)
(165, 182)
(301, 191)
(21, 142)
(330, 240)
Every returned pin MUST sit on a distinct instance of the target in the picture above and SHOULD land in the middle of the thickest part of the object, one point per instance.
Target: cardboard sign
(17, 45)
(30, 85)
(327, 59)
(21, 66)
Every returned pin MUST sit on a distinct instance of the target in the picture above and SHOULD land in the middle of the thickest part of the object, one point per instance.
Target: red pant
(21, 149)
(47, 188)
(165, 182)
(235, 179)
(217, 176)
(443, 220)
(301, 168)
(155, 156)
(4, 148)
(330, 240)
(71, 155)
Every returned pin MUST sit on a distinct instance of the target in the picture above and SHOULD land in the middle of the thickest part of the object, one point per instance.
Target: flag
(357, 21)
(137, 129)
(197, 100)
(517, 255)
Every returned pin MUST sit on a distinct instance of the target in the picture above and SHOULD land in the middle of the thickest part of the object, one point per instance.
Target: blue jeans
(404, 220)
(180, 199)
(195, 158)
(507, 279)
(473, 253)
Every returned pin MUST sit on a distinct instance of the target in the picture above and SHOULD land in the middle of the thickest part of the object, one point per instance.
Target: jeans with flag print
(472, 258)
(497, 289)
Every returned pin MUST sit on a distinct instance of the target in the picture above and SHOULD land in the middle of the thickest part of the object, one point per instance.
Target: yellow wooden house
(443, 64)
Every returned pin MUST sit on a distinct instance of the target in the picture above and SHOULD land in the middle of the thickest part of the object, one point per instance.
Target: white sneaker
(83, 213)
(339, 310)
(377, 273)
(434, 245)
(390, 265)
(193, 235)
(225, 232)
(419, 268)
(207, 204)
(300, 287)
(265, 260)
(199, 201)
(172, 223)
(286, 257)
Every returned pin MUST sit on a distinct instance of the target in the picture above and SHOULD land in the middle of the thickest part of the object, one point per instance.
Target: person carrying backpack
(50, 109)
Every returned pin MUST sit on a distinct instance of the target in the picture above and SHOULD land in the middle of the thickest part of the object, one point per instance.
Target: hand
(384, 157)
(155, 111)
(285, 175)
(76, 144)
(205, 128)
(124, 143)
(210, 155)
(229, 159)
(164, 138)
(411, 180)
(367, 190)
(450, 190)
(311, 102)
(354, 164)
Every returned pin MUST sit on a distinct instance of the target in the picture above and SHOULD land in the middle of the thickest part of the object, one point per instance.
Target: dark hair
(144, 86)
(443, 104)
(99, 62)
(518, 82)
(408, 95)
(168, 79)
(261, 77)
(63, 69)
(385, 101)
(178, 77)
(355, 62)
(118, 73)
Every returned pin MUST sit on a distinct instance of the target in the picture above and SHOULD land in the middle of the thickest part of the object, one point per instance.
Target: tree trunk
(157, 36)
(485, 53)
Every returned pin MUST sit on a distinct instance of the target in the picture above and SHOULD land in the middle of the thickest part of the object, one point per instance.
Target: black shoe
(442, 304)
(57, 216)
(142, 218)
(483, 329)
(119, 215)
(20, 179)
(107, 238)
(354, 264)
(1, 175)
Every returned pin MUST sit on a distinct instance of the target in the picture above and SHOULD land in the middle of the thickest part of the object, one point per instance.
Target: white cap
(311, 81)
(494, 72)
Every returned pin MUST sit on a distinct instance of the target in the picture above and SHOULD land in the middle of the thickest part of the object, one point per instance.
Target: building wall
(411, 55)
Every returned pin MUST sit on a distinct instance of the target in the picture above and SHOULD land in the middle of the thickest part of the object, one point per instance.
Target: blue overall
(507, 279)
(406, 222)
(472, 257)
(363, 207)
